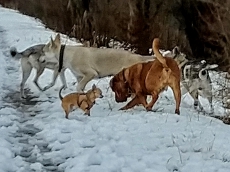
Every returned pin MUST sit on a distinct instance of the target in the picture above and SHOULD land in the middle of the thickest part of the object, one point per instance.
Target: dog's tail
(60, 96)
(156, 51)
(15, 53)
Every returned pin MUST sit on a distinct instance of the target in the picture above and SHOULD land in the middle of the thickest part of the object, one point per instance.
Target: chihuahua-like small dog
(84, 101)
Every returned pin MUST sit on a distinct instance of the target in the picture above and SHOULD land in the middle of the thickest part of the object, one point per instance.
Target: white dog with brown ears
(89, 63)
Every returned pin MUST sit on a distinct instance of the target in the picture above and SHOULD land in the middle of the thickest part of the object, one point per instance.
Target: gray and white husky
(195, 78)
(33, 57)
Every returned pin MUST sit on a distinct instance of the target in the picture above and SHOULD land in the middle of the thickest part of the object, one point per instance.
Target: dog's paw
(177, 111)
(45, 88)
(23, 97)
(148, 108)
(87, 114)
(123, 108)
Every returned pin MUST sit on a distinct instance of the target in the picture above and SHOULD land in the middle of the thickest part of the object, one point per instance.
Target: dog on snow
(87, 63)
(149, 78)
(33, 57)
(84, 101)
(195, 78)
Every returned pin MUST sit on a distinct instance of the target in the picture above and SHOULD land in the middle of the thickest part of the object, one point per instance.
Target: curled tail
(15, 53)
(60, 96)
(156, 51)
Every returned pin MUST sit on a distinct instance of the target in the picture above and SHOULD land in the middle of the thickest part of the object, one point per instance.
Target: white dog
(88, 63)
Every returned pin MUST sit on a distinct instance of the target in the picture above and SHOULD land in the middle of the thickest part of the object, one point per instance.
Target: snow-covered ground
(35, 136)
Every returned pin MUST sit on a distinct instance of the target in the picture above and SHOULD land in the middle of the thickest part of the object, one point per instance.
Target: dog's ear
(94, 87)
(51, 41)
(51, 44)
(213, 66)
(111, 83)
(176, 51)
(57, 39)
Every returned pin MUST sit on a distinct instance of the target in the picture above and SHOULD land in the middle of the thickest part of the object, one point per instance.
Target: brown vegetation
(199, 27)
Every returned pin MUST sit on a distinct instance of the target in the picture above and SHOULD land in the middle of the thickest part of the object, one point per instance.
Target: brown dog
(148, 78)
(85, 101)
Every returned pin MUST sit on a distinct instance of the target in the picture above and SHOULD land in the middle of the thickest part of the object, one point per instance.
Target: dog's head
(178, 56)
(198, 70)
(204, 68)
(96, 91)
(120, 87)
(52, 48)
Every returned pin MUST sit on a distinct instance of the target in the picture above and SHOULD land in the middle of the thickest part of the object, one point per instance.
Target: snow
(35, 136)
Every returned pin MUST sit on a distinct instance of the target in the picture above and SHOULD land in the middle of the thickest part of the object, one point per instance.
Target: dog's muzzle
(120, 99)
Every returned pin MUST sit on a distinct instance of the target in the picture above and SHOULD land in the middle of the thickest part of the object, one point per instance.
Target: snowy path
(31, 146)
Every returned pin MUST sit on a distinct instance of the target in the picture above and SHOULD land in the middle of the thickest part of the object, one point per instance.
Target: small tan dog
(85, 101)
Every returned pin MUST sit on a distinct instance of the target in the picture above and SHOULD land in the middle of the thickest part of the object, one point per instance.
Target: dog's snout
(101, 96)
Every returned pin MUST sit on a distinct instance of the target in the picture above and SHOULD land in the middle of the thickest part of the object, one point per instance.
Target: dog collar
(61, 58)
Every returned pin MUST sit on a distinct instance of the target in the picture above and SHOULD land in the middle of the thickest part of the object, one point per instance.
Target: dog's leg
(67, 109)
(86, 107)
(55, 75)
(210, 103)
(177, 95)
(79, 78)
(197, 104)
(139, 98)
(62, 76)
(38, 74)
(26, 70)
(88, 77)
(66, 114)
(87, 111)
(153, 101)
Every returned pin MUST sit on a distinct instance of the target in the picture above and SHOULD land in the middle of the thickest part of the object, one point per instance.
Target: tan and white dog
(84, 101)
(89, 63)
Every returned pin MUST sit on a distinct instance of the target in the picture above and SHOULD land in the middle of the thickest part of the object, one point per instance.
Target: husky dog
(33, 57)
(89, 63)
(195, 78)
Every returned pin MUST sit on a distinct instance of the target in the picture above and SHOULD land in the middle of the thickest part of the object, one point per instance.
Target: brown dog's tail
(156, 51)
(60, 96)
